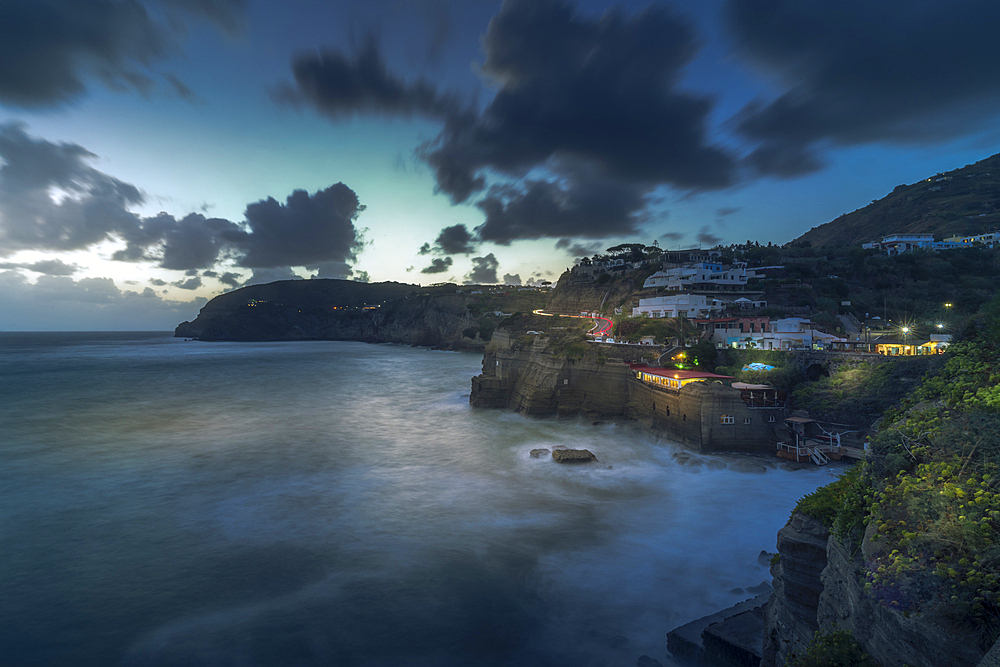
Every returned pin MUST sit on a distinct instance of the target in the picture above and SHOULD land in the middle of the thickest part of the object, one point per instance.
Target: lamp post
(906, 336)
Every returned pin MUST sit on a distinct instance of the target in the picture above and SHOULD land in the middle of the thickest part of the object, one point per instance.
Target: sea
(174, 502)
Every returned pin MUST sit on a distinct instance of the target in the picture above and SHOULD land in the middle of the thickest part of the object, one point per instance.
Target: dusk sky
(154, 153)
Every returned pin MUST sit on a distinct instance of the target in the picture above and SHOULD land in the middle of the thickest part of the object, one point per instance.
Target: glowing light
(940, 326)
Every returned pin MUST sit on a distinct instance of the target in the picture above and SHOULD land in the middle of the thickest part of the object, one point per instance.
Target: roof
(678, 374)
(799, 420)
(744, 385)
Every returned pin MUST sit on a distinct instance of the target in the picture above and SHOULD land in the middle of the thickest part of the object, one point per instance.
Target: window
(746, 420)
(727, 419)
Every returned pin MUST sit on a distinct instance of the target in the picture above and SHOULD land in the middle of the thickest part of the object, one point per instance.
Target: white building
(990, 240)
(703, 275)
(678, 305)
(785, 334)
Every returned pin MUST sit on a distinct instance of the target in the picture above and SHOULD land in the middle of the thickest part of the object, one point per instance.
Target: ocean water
(165, 502)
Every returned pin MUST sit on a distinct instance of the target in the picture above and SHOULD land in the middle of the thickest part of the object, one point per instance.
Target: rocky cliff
(819, 585)
(524, 373)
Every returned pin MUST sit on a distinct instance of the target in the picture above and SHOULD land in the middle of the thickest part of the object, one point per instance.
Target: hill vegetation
(925, 505)
(960, 202)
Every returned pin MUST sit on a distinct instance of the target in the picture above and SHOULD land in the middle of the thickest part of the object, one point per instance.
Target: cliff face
(818, 584)
(523, 374)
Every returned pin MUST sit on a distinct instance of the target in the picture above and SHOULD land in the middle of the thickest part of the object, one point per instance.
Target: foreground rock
(730, 637)
(819, 585)
(539, 453)
(573, 456)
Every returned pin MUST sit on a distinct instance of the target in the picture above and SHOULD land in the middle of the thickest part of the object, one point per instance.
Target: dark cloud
(315, 230)
(341, 86)
(93, 209)
(456, 240)
(305, 230)
(438, 265)
(180, 88)
(672, 236)
(862, 72)
(583, 207)
(509, 279)
(50, 267)
(484, 271)
(261, 276)
(707, 238)
(726, 211)
(191, 243)
(190, 283)
(577, 249)
(157, 282)
(230, 278)
(573, 89)
(50, 51)
(585, 99)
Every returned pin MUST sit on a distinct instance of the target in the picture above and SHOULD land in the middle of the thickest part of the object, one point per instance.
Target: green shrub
(833, 649)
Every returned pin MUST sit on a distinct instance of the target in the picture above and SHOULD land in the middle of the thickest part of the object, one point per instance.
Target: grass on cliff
(832, 649)
(929, 492)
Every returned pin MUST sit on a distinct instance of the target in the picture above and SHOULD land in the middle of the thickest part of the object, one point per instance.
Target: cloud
(181, 88)
(93, 206)
(707, 238)
(230, 278)
(61, 303)
(305, 230)
(51, 51)
(454, 240)
(509, 279)
(438, 265)
(726, 211)
(577, 249)
(157, 282)
(340, 270)
(51, 267)
(588, 100)
(190, 283)
(340, 86)
(583, 207)
(672, 236)
(864, 72)
(260, 276)
(573, 89)
(191, 243)
(52, 200)
(484, 270)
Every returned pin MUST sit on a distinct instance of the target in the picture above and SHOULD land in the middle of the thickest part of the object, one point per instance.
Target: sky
(155, 153)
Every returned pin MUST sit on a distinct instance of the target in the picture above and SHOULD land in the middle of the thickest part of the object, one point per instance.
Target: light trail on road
(597, 321)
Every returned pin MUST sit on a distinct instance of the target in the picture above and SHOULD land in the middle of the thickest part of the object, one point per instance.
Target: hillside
(961, 202)
(444, 316)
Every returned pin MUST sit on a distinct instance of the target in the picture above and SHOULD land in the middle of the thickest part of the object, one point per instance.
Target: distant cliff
(444, 317)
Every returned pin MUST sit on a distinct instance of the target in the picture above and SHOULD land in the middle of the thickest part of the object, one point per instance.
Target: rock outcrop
(819, 585)
(791, 614)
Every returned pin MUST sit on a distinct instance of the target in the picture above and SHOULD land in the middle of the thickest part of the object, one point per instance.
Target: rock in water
(538, 453)
(573, 456)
